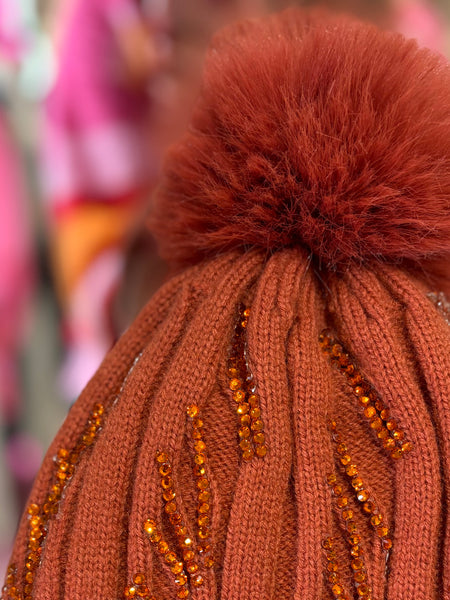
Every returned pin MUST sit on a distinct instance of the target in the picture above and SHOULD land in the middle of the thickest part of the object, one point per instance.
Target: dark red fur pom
(316, 131)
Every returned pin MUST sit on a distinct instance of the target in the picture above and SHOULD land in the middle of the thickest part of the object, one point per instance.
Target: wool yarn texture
(276, 422)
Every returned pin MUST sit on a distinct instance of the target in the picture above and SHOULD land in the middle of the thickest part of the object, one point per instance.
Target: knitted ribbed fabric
(348, 369)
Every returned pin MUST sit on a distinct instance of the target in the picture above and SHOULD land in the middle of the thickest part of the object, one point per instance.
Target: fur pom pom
(317, 131)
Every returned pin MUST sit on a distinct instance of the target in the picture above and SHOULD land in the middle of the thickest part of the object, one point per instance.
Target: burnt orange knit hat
(276, 423)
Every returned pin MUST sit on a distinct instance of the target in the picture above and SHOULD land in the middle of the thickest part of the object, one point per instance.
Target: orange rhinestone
(203, 533)
(193, 411)
(165, 469)
(248, 454)
(130, 592)
(198, 423)
(150, 526)
(245, 444)
(259, 438)
(243, 409)
(170, 558)
(357, 483)
(139, 579)
(342, 501)
(331, 479)
(363, 495)
(255, 413)
(181, 530)
(203, 521)
(175, 518)
(358, 391)
(397, 453)
(170, 508)
(187, 542)
(369, 507)
(382, 531)
(357, 564)
(245, 420)
(239, 396)
(199, 459)
(387, 544)
(177, 568)
(407, 447)
(355, 540)
(181, 579)
(332, 566)
(197, 581)
(351, 527)
(376, 519)
(235, 384)
(167, 482)
(363, 590)
(257, 425)
(342, 449)
(384, 414)
(204, 549)
(233, 373)
(203, 483)
(327, 543)
(356, 551)
(370, 411)
(253, 400)
(376, 424)
(188, 555)
(359, 576)
(244, 432)
(261, 451)
(347, 514)
(204, 496)
(333, 577)
(382, 434)
(143, 591)
(336, 350)
(351, 470)
(337, 590)
(338, 490)
(33, 509)
(169, 495)
(183, 593)
(346, 459)
(398, 434)
(203, 508)
(364, 400)
(199, 470)
(389, 444)
(391, 424)
(356, 380)
(192, 568)
(155, 537)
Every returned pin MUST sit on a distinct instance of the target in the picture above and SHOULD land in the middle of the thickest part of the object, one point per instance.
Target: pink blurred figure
(98, 164)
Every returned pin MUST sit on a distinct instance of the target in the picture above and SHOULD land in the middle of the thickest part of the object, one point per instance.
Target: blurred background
(91, 94)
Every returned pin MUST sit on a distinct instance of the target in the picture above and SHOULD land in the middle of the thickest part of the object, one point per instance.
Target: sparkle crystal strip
(252, 439)
(383, 425)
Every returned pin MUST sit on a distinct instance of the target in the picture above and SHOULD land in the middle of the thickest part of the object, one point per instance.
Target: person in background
(17, 276)
(97, 163)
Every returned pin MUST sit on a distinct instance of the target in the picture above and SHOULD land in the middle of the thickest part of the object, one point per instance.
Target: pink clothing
(91, 88)
(95, 136)
(12, 38)
(16, 273)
